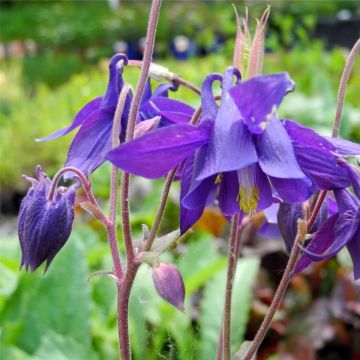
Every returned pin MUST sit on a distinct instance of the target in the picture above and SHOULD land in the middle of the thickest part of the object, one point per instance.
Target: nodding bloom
(240, 152)
(93, 140)
(44, 223)
(340, 229)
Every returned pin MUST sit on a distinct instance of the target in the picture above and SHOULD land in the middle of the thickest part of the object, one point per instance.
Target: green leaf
(57, 347)
(212, 306)
(200, 262)
(60, 300)
(12, 353)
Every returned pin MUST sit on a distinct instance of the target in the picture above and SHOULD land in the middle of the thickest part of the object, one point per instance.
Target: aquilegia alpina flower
(339, 230)
(44, 224)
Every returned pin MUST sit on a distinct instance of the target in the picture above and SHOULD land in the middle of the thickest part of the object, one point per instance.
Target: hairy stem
(111, 227)
(160, 213)
(125, 286)
(229, 286)
(279, 294)
(342, 87)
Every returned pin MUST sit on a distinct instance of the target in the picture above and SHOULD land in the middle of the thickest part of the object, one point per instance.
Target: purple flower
(93, 141)
(340, 229)
(44, 224)
(240, 152)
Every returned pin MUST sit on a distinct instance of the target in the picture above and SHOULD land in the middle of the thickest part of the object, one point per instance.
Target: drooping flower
(93, 140)
(44, 224)
(240, 152)
(340, 229)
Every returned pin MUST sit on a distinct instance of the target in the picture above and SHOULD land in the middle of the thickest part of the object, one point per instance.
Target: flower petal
(345, 200)
(276, 154)
(116, 81)
(231, 147)
(302, 135)
(265, 193)
(79, 119)
(208, 104)
(228, 194)
(171, 111)
(154, 154)
(345, 147)
(345, 227)
(92, 142)
(354, 175)
(258, 98)
(353, 247)
(292, 190)
(189, 217)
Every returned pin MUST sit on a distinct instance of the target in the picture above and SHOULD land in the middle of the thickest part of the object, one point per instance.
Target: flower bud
(44, 224)
(169, 284)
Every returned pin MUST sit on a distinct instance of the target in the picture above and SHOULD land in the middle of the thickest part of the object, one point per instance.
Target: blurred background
(53, 59)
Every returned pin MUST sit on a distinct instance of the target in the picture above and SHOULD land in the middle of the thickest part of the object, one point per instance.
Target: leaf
(12, 353)
(212, 306)
(200, 262)
(57, 347)
(246, 272)
(60, 300)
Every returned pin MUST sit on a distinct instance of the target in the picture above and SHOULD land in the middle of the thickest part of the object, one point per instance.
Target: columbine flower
(240, 152)
(339, 230)
(93, 141)
(44, 224)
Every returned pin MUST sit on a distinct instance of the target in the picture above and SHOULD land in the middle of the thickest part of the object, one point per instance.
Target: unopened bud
(160, 73)
(44, 224)
(169, 284)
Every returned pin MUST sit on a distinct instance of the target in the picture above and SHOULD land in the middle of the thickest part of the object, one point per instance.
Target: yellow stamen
(218, 179)
(248, 198)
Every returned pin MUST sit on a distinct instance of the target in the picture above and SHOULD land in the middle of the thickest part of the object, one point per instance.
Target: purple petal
(271, 213)
(146, 93)
(276, 154)
(322, 240)
(302, 135)
(79, 119)
(353, 247)
(116, 82)
(269, 230)
(345, 200)
(208, 104)
(163, 90)
(346, 226)
(265, 193)
(171, 111)
(345, 147)
(292, 190)
(92, 142)
(258, 98)
(321, 167)
(154, 154)
(228, 194)
(354, 175)
(188, 217)
(231, 147)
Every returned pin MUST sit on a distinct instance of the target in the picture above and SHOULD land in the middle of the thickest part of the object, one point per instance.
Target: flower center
(248, 193)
